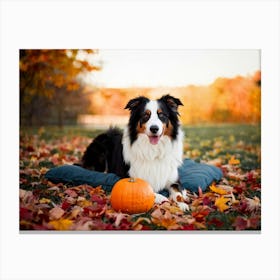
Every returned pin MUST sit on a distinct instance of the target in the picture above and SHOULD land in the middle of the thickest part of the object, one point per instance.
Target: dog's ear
(133, 103)
(171, 102)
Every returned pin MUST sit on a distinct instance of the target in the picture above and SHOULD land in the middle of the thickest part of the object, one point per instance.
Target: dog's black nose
(154, 129)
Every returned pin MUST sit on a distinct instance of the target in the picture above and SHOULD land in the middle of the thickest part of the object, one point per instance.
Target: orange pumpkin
(132, 195)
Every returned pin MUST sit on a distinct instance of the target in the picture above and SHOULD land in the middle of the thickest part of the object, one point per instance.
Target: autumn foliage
(51, 88)
(226, 100)
(42, 71)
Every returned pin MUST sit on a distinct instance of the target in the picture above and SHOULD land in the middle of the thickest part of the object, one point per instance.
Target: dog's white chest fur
(157, 164)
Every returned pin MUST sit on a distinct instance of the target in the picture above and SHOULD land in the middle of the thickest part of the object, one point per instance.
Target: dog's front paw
(185, 196)
(160, 198)
(179, 199)
(183, 206)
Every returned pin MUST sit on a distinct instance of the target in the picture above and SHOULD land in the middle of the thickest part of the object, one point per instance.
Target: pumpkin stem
(131, 180)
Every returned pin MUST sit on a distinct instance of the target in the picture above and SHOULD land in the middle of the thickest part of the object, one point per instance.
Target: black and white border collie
(150, 147)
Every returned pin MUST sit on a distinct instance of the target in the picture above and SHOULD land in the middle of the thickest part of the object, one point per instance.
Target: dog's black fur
(105, 154)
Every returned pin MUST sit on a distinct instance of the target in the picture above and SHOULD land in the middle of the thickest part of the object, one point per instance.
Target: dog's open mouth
(154, 139)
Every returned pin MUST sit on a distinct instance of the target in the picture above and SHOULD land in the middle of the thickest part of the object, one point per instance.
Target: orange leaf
(221, 203)
(233, 161)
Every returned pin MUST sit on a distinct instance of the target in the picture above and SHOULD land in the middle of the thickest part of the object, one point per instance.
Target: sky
(168, 68)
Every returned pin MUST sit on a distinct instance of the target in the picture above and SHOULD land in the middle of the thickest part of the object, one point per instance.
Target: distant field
(203, 142)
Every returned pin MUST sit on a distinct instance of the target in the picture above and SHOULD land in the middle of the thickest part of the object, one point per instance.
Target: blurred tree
(48, 81)
(229, 100)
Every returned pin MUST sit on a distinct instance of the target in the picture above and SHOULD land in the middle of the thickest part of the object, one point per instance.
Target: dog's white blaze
(153, 107)
(157, 164)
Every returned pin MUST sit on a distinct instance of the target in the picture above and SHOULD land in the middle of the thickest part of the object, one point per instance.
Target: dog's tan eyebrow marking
(147, 112)
(145, 117)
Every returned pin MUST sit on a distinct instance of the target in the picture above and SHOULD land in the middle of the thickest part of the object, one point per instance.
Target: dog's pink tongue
(154, 139)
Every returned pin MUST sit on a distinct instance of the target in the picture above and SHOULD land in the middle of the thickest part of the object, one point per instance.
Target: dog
(150, 147)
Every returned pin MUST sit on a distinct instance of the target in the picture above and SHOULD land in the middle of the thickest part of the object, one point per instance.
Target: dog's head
(154, 118)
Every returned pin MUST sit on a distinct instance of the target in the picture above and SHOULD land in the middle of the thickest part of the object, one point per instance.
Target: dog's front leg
(176, 195)
(160, 198)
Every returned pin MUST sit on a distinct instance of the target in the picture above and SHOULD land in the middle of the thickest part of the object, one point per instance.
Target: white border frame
(147, 24)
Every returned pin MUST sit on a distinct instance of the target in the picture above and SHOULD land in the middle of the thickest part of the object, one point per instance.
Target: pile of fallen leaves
(234, 203)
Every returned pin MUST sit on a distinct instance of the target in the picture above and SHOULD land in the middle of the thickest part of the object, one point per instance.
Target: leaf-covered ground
(234, 203)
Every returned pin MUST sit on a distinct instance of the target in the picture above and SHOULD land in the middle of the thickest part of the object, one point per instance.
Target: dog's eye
(145, 117)
(162, 116)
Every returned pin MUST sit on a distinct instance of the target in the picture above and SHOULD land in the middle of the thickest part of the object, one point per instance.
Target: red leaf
(240, 223)
(26, 214)
(188, 227)
(65, 205)
(216, 222)
(98, 199)
(254, 222)
(201, 213)
(95, 210)
(206, 201)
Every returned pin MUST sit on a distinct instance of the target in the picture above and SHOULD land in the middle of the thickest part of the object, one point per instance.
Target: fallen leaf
(233, 161)
(119, 217)
(221, 203)
(253, 204)
(71, 193)
(56, 213)
(166, 219)
(137, 224)
(215, 189)
(45, 200)
(26, 196)
(240, 223)
(200, 213)
(62, 224)
(76, 211)
(83, 202)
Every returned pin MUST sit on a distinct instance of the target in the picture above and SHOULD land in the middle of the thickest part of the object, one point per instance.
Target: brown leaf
(56, 213)
(165, 219)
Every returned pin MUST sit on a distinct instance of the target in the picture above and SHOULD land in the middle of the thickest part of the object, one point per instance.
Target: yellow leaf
(215, 189)
(81, 201)
(62, 224)
(44, 200)
(221, 203)
(33, 159)
(233, 161)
